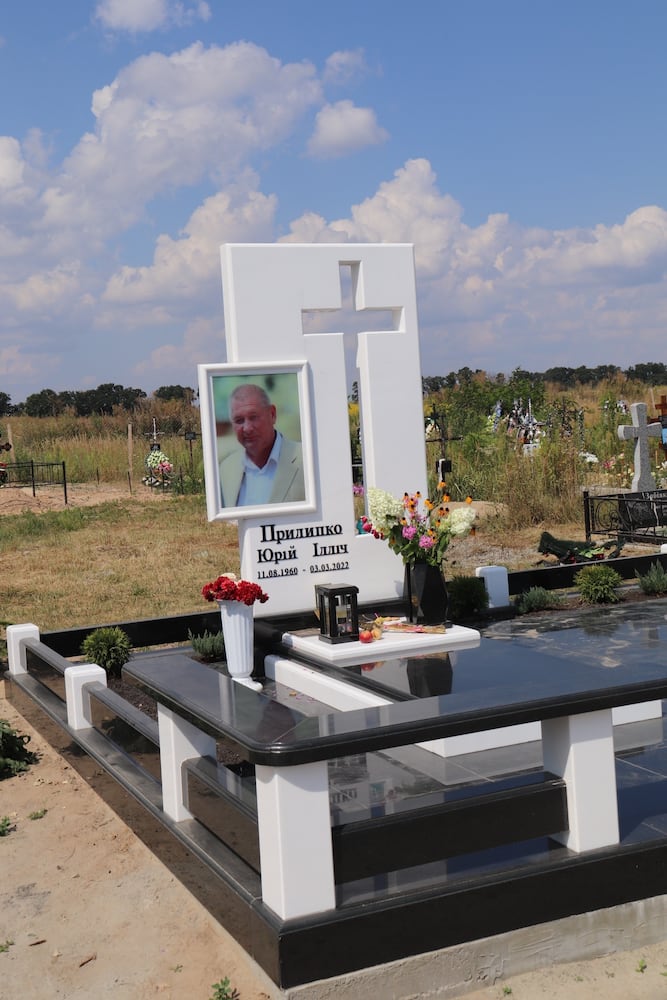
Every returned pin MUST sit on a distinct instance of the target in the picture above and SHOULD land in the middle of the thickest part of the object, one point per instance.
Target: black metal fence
(33, 474)
(633, 517)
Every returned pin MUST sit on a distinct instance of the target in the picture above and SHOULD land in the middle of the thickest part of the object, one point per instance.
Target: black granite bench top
(271, 733)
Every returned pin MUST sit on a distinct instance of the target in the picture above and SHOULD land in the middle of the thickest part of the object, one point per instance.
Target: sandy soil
(89, 910)
(15, 500)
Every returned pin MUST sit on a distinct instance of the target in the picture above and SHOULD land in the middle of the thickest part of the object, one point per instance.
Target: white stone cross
(640, 430)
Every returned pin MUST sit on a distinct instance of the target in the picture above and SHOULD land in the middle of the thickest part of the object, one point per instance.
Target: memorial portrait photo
(257, 439)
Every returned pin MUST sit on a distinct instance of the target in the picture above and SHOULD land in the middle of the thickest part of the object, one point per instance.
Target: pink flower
(409, 532)
(426, 542)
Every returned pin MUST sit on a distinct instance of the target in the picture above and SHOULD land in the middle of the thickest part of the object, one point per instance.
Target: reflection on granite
(605, 636)
(642, 804)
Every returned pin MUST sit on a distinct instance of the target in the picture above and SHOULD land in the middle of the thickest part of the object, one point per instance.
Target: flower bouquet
(228, 588)
(158, 461)
(417, 530)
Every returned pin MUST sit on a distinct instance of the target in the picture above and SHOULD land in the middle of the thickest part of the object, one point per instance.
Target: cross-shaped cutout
(349, 320)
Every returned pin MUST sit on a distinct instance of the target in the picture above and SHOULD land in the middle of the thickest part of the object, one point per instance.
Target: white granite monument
(305, 533)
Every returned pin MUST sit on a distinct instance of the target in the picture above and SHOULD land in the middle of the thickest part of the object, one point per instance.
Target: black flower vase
(426, 593)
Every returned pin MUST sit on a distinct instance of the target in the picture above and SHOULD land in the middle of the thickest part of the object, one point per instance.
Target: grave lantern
(338, 613)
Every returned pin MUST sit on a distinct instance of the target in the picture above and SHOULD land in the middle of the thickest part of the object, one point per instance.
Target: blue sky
(520, 146)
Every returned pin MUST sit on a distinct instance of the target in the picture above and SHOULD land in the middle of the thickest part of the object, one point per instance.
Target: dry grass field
(113, 556)
(108, 556)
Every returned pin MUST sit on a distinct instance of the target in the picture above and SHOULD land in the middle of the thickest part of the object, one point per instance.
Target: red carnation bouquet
(228, 588)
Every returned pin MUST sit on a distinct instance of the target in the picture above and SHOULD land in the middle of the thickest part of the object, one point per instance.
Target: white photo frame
(292, 479)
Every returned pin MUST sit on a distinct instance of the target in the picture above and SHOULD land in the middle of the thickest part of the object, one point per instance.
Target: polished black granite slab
(605, 637)
(519, 673)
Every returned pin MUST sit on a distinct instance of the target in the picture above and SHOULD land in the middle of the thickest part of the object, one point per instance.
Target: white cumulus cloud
(343, 128)
(345, 66)
(499, 296)
(169, 121)
(183, 268)
(136, 16)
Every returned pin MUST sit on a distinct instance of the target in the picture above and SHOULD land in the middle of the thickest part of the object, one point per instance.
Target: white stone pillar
(16, 635)
(179, 741)
(580, 749)
(497, 585)
(77, 698)
(295, 839)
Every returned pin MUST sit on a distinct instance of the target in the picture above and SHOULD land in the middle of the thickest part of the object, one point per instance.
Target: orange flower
(468, 499)
(446, 498)
(442, 485)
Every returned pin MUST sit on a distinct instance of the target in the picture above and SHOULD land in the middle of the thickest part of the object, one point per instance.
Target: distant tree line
(107, 398)
(651, 373)
(103, 400)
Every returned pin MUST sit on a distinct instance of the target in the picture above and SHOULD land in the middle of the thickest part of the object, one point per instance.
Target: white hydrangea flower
(384, 510)
(461, 521)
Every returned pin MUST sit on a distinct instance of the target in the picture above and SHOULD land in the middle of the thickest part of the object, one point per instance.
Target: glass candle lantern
(338, 613)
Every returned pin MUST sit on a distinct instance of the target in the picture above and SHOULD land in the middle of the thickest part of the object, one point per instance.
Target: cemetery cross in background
(640, 431)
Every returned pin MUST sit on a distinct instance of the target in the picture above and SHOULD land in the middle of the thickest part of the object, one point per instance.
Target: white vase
(237, 630)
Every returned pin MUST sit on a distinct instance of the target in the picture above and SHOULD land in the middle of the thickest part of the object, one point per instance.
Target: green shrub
(108, 647)
(210, 646)
(14, 753)
(654, 581)
(537, 599)
(467, 597)
(224, 991)
(597, 584)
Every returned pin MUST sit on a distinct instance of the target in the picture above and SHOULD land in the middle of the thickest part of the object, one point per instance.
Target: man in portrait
(268, 467)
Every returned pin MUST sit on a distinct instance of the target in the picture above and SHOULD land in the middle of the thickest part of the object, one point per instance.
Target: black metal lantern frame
(338, 612)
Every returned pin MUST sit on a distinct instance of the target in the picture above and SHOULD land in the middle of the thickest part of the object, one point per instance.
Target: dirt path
(16, 500)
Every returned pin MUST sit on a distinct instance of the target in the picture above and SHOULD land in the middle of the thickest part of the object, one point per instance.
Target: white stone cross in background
(640, 430)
